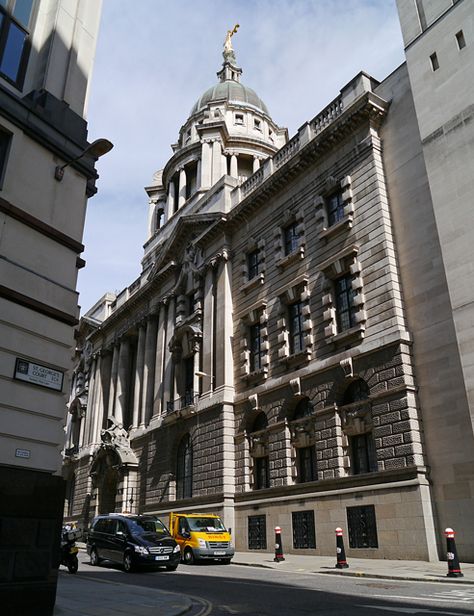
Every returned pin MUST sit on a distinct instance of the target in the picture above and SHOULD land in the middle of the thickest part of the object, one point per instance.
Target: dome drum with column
(229, 132)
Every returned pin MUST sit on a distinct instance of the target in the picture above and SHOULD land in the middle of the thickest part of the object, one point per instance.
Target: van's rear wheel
(188, 556)
(128, 562)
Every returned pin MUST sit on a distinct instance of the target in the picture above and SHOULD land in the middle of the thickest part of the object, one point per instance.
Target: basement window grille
(257, 532)
(304, 536)
(362, 527)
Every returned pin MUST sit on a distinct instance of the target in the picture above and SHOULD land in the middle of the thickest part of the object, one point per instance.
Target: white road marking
(407, 610)
(425, 598)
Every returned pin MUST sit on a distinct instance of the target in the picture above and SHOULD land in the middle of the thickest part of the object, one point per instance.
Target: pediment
(181, 247)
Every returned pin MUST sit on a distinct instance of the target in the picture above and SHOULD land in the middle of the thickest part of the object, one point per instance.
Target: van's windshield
(204, 524)
(139, 526)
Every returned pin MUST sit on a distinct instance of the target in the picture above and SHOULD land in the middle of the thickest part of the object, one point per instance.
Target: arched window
(261, 465)
(304, 408)
(184, 469)
(361, 442)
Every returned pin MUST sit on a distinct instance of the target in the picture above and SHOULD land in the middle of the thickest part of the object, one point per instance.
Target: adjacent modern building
(47, 51)
(296, 350)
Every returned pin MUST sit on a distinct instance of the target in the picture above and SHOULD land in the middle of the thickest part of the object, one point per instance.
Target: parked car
(132, 541)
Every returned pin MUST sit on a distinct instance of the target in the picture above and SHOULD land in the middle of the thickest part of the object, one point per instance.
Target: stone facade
(265, 365)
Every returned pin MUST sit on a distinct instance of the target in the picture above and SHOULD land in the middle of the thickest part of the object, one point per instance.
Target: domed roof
(232, 91)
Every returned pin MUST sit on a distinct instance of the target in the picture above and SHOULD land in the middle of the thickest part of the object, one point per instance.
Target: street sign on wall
(38, 375)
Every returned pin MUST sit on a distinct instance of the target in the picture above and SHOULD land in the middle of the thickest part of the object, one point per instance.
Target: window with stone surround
(303, 442)
(362, 526)
(306, 464)
(289, 239)
(254, 345)
(16, 17)
(260, 475)
(257, 532)
(334, 206)
(253, 264)
(294, 325)
(304, 536)
(343, 299)
(184, 469)
(357, 424)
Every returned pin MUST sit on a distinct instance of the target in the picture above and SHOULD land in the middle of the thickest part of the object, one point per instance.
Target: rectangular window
(257, 532)
(15, 16)
(295, 328)
(461, 41)
(253, 264)
(257, 124)
(5, 140)
(304, 537)
(335, 208)
(255, 347)
(306, 466)
(362, 527)
(364, 457)
(262, 477)
(434, 62)
(290, 237)
(239, 118)
(344, 297)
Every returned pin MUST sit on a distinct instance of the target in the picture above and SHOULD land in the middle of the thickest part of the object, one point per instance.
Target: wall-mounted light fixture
(201, 375)
(97, 148)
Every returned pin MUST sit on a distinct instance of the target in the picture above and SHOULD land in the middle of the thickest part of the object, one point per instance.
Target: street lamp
(97, 148)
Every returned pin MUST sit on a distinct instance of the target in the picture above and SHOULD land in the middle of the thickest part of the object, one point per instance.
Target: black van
(132, 540)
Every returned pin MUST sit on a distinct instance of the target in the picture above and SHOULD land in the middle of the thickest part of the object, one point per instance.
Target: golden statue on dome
(228, 53)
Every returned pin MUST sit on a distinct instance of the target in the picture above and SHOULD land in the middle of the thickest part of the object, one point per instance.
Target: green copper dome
(231, 91)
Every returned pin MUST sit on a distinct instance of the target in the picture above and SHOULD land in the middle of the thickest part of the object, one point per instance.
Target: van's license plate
(219, 553)
(161, 557)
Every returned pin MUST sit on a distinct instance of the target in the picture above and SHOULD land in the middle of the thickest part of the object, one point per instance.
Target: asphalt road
(220, 590)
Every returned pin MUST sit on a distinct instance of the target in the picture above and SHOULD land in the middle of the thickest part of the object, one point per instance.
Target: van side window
(183, 526)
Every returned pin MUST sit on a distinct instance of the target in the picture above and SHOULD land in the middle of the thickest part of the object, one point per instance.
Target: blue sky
(155, 58)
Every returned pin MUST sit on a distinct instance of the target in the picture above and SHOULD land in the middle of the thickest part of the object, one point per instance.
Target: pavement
(83, 596)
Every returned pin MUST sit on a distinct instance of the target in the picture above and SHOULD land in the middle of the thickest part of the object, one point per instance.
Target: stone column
(182, 188)
(170, 201)
(98, 401)
(256, 164)
(90, 403)
(228, 468)
(137, 394)
(234, 172)
(122, 381)
(208, 330)
(206, 165)
(216, 162)
(198, 174)
(113, 380)
(160, 350)
(168, 360)
(224, 326)
(148, 369)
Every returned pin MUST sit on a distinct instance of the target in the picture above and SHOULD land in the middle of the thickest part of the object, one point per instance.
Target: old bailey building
(291, 354)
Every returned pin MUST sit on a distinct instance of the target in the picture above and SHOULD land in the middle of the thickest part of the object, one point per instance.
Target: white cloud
(155, 58)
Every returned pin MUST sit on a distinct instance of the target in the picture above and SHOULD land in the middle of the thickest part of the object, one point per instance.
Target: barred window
(257, 532)
(344, 297)
(304, 536)
(296, 334)
(335, 208)
(363, 454)
(362, 527)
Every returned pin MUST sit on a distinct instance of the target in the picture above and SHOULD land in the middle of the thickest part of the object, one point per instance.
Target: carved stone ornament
(253, 401)
(116, 438)
(347, 367)
(295, 385)
(357, 420)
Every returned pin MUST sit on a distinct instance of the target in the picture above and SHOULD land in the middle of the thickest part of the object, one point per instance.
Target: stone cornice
(294, 157)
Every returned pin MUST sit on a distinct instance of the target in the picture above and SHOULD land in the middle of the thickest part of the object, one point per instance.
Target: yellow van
(201, 536)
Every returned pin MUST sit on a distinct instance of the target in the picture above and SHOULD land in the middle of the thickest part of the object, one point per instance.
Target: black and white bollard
(454, 568)
(278, 545)
(340, 552)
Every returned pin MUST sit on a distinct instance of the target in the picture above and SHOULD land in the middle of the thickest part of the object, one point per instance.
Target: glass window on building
(306, 464)
(344, 298)
(290, 238)
(253, 264)
(335, 208)
(15, 20)
(296, 334)
(184, 469)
